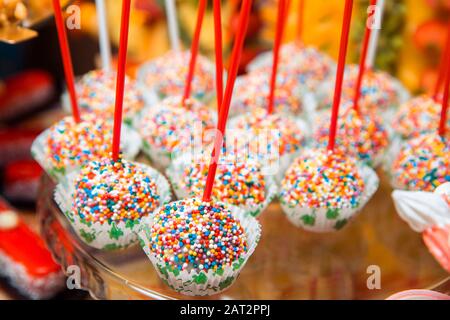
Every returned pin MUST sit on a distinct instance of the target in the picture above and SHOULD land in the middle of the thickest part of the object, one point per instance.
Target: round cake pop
(422, 164)
(68, 145)
(270, 137)
(379, 90)
(239, 181)
(309, 66)
(323, 189)
(360, 135)
(417, 116)
(252, 90)
(170, 127)
(107, 199)
(166, 75)
(199, 248)
(96, 93)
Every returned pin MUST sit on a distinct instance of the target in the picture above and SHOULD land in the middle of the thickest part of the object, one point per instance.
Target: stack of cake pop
(324, 188)
(199, 245)
(283, 135)
(108, 197)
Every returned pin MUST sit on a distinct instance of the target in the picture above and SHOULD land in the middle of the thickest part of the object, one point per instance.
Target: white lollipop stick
(173, 24)
(105, 46)
(373, 43)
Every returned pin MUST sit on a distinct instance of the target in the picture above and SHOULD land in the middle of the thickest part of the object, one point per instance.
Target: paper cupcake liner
(437, 240)
(331, 219)
(175, 172)
(203, 283)
(130, 146)
(106, 236)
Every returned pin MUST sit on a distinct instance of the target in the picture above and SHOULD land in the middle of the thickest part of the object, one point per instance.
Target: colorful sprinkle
(309, 66)
(195, 235)
(323, 179)
(114, 191)
(167, 75)
(96, 92)
(252, 90)
(359, 135)
(264, 131)
(378, 90)
(71, 144)
(418, 116)
(422, 164)
(237, 182)
(170, 126)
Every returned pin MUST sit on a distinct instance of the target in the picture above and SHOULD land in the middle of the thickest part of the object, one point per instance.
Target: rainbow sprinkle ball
(107, 200)
(96, 94)
(360, 134)
(239, 181)
(275, 139)
(422, 164)
(199, 248)
(170, 128)
(323, 190)
(166, 76)
(67, 145)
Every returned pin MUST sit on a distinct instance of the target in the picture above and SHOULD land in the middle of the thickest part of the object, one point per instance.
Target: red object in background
(439, 4)
(431, 35)
(24, 258)
(15, 144)
(21, 180)
(24, 92)
(150, 8)
(437, 239)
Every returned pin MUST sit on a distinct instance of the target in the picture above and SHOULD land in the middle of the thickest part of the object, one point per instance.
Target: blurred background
(412, 38)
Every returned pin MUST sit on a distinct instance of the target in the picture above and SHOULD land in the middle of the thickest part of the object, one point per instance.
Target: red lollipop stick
(300, 20)
(282, 9)
(340, 72)
(362, 62)
(66, 59)
(194, 49)
(120, 86)
(218, 51)
(234, 65)
(442, 66)
(443, 120)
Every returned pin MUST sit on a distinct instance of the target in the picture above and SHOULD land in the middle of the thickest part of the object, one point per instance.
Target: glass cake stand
(288, 263)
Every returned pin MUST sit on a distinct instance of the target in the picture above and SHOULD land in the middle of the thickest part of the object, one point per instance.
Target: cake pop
(422, 164)
(417, 116)
(253, 89)
(323, 189)
(96, 93)
(68, 145)
(240, 181)
(199, 248)
(107, 199)
(166, 76)
(169, 127)
(379, 91)
(306, 64)
(270, 137)
(360, 134)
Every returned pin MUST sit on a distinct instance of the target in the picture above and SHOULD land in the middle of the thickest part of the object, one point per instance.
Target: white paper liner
(203, 283)
(175, 173)
(106, 236)
(423, 210)
(130, 147)
(331, 219)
